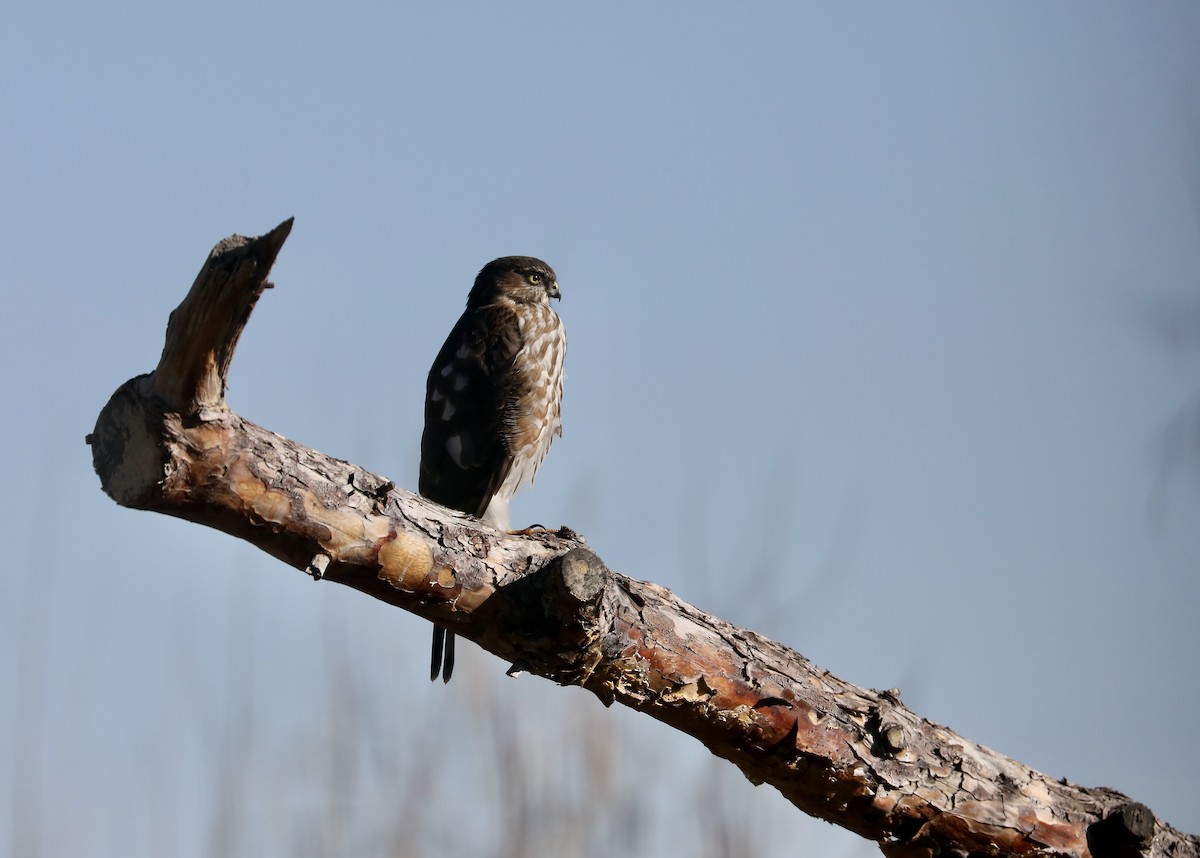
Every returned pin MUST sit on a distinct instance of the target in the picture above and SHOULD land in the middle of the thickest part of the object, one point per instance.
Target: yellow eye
(535, 279)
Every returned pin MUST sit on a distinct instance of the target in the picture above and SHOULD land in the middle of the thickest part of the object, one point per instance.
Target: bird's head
(520, 278)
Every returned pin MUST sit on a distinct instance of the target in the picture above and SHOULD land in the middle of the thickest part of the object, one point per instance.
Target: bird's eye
(535, 279)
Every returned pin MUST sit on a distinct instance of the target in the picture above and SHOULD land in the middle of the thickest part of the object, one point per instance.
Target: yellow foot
(532, 529)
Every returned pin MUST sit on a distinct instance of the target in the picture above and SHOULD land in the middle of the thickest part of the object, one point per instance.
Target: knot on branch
(581, 578)
(1125, 833)
(552, 616)
(127, 449)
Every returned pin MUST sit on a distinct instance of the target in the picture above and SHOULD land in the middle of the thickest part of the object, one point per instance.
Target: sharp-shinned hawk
(492, 401)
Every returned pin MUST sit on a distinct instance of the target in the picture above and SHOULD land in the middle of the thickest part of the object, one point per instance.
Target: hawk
(492, 401)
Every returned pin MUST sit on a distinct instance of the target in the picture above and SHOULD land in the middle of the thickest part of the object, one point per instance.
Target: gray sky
(883, 341)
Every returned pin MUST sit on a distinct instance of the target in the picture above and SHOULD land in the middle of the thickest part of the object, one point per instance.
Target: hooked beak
(553, 291)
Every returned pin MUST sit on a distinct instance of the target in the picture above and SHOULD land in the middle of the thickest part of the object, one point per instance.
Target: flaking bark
(857, 757)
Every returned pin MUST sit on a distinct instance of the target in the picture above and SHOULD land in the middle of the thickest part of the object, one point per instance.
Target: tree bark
(856, 757)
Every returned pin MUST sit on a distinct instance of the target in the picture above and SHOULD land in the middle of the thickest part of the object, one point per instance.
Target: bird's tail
(442, 663)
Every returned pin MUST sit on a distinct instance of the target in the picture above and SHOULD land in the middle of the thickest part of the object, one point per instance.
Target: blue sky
(883, 340)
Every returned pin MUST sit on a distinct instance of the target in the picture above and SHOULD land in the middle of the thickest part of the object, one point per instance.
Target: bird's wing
(465, 449)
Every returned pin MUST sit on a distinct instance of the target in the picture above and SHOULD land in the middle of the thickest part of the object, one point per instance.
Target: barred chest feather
(536, 417)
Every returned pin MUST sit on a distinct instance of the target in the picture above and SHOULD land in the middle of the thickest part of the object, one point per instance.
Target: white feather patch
(454, 447)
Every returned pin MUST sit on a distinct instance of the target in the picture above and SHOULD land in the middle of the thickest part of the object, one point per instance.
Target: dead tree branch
(856, 757)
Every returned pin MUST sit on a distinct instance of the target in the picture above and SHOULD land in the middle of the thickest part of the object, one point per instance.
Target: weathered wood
(203, 331)
(857, 757)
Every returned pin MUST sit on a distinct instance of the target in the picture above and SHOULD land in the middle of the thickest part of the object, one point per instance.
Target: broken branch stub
(203, 331)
